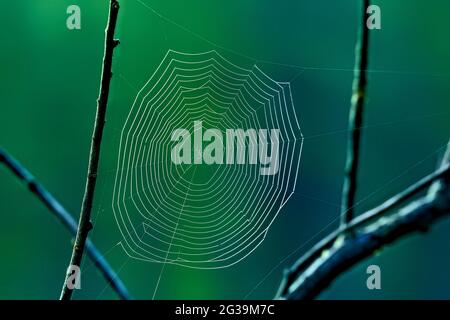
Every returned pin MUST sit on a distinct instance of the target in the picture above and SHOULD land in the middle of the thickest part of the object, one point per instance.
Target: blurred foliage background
(49, 78)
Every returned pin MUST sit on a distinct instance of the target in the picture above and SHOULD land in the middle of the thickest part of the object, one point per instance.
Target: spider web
(201, 216)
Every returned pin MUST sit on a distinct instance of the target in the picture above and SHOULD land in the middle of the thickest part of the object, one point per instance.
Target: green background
(49, 78)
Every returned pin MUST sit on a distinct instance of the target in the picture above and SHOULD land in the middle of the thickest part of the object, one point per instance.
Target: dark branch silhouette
(315, 252)
(356, 119)
(369, 232)
(358, 238)
(67, 220)
(84, 224)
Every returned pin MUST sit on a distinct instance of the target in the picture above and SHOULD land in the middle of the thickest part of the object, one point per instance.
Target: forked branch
(358, 238)
(338, 252)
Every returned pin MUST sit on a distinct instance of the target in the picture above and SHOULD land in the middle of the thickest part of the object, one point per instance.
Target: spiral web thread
(199, 215)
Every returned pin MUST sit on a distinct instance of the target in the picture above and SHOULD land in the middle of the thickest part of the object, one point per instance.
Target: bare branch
(347, 251)
(67, 220)
(338, 252)
(84, 224)
(356, 119)
(359, 237)
(315, 252)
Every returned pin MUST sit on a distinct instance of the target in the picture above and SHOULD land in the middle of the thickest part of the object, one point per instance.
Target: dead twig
(84, 224)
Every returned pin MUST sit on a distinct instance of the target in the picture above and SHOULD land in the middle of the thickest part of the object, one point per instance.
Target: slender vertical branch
(356, 118)
(67, 220)
(84, 224)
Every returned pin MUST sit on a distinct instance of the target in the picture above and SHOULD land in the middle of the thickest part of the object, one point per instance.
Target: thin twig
(85, 225)
(356, 119)
(67, 220)
(337, 253)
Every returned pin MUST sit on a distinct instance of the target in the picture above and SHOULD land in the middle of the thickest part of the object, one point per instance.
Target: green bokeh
(49, 79)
